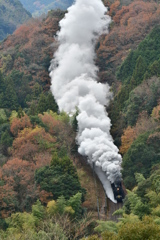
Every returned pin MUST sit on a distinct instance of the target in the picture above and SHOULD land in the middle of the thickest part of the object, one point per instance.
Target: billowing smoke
(74, 85)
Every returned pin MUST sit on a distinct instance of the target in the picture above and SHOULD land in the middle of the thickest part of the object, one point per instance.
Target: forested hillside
(12, 14)
(46, 190)
(43, 6)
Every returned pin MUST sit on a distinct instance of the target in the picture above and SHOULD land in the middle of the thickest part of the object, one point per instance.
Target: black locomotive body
(118, 191)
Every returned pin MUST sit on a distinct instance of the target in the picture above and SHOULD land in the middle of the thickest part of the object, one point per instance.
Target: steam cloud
(74, 84)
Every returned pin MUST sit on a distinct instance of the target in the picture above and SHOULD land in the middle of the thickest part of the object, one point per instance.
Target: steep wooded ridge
(46, 189)
(43, 6)
(12, 14)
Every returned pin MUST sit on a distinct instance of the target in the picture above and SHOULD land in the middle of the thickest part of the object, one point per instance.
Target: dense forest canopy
(44, 190)
(12, 14)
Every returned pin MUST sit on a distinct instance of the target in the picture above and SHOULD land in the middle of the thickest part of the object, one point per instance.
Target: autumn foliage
(17, 185)
(31, 47)
(127, 139)
(19, 124)
(143, 124)
(28, 171)
(32, 149)
(156, 113)
(51, 122)
(130, 25)
(30, 140)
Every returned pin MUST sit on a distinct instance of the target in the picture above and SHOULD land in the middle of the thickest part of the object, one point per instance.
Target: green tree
(7, 63)
(37, 90)
(122, 96)
(139, 70)
(3, 117)
(133, 108)
(145, 229)
(42, 104)
(74, 121)
(61, 204)
(21, 85)
(33, 109)
(20, 112)
(155, 68)
(2, 90)
(60, 178)
(138, 207)
(38, 210)
(2, 83)
(139, 158)
(6, 141)
(75, 202)
(125, 71)
(51, 103)
(108, 226)
(10, 97)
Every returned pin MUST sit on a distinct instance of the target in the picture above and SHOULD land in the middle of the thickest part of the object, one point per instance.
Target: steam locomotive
(118, 191)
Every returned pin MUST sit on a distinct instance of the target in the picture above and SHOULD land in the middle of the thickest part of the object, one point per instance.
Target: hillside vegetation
(46, 190)
(43, 6)
(12, 14)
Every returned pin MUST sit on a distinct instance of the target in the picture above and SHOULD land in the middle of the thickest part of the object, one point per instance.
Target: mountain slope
(12, 14)
(31, 51)
(34, 139)
(41, 6)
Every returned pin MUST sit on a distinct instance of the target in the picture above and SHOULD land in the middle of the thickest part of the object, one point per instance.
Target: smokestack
(74, 85)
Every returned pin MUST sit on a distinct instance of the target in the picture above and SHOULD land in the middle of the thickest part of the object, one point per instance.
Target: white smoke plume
(74, 85)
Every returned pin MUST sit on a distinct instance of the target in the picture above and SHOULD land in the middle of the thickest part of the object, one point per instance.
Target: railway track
(102, 207)
(112, 207)
(107, 210)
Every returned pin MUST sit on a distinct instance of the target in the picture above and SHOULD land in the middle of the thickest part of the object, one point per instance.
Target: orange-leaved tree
(29, 141)
(156, 113)
(60, 127)
(17, 190)
(18, 124)
(127, 139)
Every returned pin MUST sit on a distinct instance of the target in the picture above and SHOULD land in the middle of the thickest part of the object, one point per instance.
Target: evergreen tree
(37, 90)
(74, 121)
(2, 83)
(10, 98)
(51, 103)
(6, 141)
(32, 109)
(140, 70)
(2, 89)
(140, 157)
(154, 68)
(42, 104)
(60, 178)
(20, 112)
